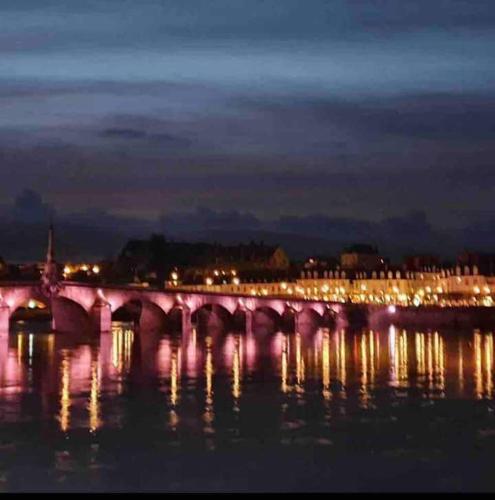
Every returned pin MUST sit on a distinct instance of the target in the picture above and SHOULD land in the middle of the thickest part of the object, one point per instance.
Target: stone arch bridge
(81, 306)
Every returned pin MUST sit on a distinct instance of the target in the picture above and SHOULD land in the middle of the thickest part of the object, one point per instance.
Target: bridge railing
(175, 291)
(186, 291)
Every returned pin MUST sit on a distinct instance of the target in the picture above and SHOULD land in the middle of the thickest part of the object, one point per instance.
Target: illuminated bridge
(86, 307)
(81, 307)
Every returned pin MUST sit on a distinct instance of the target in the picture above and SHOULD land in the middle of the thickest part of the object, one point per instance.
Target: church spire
(50, 277)
(50, 251)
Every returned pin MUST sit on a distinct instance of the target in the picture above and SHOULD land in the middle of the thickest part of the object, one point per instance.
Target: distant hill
(298, 247)
(79, 241)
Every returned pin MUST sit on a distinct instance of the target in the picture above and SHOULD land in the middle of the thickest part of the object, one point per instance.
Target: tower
(50, 251)
(50, 276)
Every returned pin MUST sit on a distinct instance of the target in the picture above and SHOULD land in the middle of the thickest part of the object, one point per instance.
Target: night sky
(253, 113)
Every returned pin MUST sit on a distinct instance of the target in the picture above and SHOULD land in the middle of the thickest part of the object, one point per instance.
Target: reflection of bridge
(85, 307)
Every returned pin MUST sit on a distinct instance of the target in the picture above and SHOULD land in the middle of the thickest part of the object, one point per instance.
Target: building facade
(446, 287)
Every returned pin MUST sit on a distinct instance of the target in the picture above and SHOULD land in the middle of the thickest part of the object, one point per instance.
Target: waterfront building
(363, 257)
(160, 261)
(446, 287)
(484, 263)
(421, 262)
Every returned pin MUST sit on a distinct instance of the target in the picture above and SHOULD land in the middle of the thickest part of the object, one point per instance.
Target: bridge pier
(186, 322)
(249, 315)
(242, 319)
(101, 317)
(105, 353)
(298, 321)
(4, 318)
(4, 355)
(329, 317)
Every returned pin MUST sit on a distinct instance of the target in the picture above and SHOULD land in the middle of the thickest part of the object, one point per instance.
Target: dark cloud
(124, 133)
(203, 219)
(29, 207)
(144, 128)
(388, 15)
(465, 117)
(153, 22)
(24, 223)
(256, 110)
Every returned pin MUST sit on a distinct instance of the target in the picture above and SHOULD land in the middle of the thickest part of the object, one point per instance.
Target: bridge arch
(212, 315)
(308, 320)
(28, 309)
(146, 314)
(69, 316)
(266, 319)
(66, 315)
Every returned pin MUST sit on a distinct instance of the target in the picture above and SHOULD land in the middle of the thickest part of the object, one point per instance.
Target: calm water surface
(337, 410)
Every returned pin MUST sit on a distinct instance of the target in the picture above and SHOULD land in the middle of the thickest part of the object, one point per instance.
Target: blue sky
(362, 110)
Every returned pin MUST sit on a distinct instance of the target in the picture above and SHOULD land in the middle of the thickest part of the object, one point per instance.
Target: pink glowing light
(228, 350)
(250, 352)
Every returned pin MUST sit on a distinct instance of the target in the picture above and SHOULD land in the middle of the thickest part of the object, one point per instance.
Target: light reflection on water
(236, 389)
(340, 363)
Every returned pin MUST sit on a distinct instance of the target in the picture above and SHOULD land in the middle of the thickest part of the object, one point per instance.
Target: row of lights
(209, 281)
(74, 268)
(235, 281)
(426, 296)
